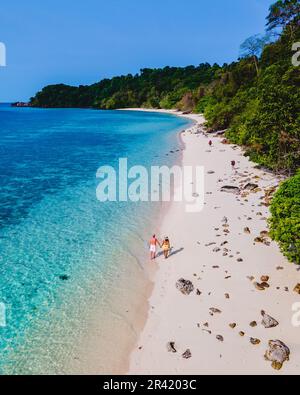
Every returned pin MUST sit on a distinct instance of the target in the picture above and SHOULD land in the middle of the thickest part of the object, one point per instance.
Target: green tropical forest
(255, 99)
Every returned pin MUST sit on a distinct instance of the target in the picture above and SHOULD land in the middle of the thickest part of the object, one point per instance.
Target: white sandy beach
(223, 282)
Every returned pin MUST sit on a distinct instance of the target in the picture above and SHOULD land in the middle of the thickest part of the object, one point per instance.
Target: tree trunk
(256, 64)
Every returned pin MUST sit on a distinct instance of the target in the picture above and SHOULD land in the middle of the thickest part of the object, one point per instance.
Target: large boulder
(268, 321)
(278, 353)
(186, 287)
(230, 189)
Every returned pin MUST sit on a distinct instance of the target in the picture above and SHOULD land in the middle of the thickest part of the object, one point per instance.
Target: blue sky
(80, 42)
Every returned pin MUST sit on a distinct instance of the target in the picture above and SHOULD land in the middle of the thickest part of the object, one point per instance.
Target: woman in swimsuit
(166, 246)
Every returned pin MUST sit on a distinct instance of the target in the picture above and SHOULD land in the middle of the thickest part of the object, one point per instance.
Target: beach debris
(233, 325)
(251, 278)
(278, 353)
(247, 230)
(254, 341)
(220, 338)
(213, 311)
(64, 277)
(242, 334)
(250, 187)
(187, 354)
(258, 240)
(186, 287)
(225, 220)
(264, 233)
(199, 293)
(230, 189)
(253, 324)
(211, 172)
(207, 331)
(227, 278)
(210, 244)
(268, 321)
(224, 243)
(216, 267)
(171, 347)
(286, 289)
(297, 289)
(227, 296)
(240, 260)
(264, 279)
(259, 287)
(217, 249)
(282, 268)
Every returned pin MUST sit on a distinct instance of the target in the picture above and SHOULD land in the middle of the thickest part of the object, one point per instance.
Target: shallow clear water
(51, 225)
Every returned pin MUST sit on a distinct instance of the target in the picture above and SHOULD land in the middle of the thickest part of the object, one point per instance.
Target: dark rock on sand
(250, 187)
(253, 324)
(213, 310)
(268, 321)
(264, 279)
(230, 189)
(297, 289)
(278, 353)
(232, 326)
(187, 354)
(255, 342)
(171, 347)
(258, 240)
(210, 244)
(220, 338)
(186, 287)
(259, 287)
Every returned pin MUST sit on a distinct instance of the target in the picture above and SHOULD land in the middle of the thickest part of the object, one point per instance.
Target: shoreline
(214, 345)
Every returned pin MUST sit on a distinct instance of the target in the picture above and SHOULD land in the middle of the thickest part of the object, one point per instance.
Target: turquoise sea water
(66, 259)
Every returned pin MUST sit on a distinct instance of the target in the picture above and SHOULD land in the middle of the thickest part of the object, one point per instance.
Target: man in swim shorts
(153, 243)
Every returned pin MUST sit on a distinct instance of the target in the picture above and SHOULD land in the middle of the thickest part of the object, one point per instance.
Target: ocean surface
(72, 268)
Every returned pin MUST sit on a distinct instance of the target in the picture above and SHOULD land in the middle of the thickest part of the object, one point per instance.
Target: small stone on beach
(171, 347)
(187, 354)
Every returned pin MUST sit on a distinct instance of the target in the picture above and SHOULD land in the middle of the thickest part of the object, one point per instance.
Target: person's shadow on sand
(173, 252)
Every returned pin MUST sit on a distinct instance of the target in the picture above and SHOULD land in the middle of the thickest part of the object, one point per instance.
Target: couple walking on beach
(165, 245)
